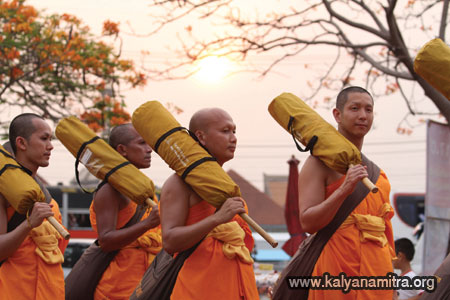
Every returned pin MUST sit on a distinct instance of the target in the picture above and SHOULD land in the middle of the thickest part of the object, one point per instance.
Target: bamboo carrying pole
(62, 231)
(150, 202)
(259, 230)
(369, 184)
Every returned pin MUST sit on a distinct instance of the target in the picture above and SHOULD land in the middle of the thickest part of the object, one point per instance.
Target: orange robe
(346, 252)
(25, 275)
(208, 273)
(129, 265)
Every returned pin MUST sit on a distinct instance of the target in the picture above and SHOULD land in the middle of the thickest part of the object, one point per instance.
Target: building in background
(74, 204)
(268, 214)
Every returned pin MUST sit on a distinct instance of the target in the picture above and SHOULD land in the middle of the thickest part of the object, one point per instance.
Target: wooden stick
(372, 187)
(62, 231)
(259, 230)
(150, 202)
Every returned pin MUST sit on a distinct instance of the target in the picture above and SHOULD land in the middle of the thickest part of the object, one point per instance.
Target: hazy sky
(263, 146)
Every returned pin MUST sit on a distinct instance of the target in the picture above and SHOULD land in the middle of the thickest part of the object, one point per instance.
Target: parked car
(73, 252)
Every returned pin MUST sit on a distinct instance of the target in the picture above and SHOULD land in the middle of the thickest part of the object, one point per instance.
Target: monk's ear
(21, 143)
(122, 149)
(200, 134)
(337, 115)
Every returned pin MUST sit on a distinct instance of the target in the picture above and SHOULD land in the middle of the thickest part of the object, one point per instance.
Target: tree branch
(333, 13)
(443, 24)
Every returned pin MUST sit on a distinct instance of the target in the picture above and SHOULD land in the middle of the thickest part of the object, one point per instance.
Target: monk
(31, 250)
(354, 251)
(110, 211)
(221, 266)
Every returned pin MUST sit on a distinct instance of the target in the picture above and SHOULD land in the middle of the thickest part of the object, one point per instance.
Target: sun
(213, 69)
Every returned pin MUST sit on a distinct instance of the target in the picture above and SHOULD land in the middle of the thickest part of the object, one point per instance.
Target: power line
(280, 156)
(292, 145)
(365, 144)
(365, 152)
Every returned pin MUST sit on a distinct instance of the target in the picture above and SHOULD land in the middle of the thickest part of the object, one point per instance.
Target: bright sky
(263, 146)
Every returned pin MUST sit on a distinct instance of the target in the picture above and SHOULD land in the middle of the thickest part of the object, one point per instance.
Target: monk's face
(38, 146)
(219, 136)
(137, 151)
(356, 117)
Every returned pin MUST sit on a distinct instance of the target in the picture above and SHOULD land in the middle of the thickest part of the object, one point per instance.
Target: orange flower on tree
(105, 113)
(50, 60)
(110, 28)
(16, 72)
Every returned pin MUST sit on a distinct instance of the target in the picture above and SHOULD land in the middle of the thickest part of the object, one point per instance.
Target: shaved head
(22, 126)
(342, 97)
(130, 144)
(215, 131)
(121, 134)
(202, 119)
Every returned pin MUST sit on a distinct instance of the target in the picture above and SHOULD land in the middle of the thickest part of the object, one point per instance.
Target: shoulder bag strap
(304, 261)
(352, 201)
(140, 210)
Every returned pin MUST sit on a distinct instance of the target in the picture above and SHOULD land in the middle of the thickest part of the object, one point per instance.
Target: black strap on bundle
(5, 167)
(77, 161)
(311, 143)
(173, 130)
(105, 180)
(6, 154)
(195, 164)
(110, 172)
(165, 135)
(115, 169)
(18, 166)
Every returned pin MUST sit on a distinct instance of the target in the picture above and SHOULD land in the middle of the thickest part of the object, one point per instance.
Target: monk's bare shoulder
(315, 167)
(175, 184)
(107, 191)
(108, 195)
(175, 187)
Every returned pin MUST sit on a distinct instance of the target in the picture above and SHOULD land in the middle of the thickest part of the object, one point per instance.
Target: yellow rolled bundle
(20, 189)
(319, 136)
(102, 161)
(180, 151)
(186, 157)
(432, 63)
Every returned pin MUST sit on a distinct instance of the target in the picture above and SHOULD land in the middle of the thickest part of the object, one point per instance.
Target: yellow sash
(151, 242)
(232, 236)
(46, 237)
(371, 227)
